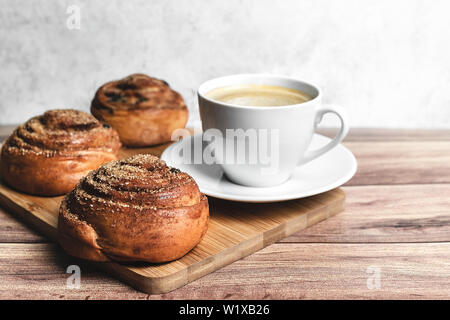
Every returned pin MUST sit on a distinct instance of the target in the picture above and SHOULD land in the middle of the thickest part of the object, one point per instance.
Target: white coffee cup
(290, 129)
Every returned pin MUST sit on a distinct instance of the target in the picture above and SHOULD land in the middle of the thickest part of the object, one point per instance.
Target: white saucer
(322, 174)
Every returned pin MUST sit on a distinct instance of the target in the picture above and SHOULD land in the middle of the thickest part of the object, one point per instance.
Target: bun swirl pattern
(137, 209)
(48, 154)
(144, 110)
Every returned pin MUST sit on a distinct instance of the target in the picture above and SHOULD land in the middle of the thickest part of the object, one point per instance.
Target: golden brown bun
(144, 110)
(48, 154)
(137, 209)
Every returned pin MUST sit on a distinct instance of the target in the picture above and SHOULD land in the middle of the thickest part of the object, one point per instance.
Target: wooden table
(392, 241)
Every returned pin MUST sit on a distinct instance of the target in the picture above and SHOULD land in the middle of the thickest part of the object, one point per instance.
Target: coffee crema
(258, 95)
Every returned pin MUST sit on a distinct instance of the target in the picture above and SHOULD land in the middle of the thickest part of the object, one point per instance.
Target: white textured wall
(386, 61)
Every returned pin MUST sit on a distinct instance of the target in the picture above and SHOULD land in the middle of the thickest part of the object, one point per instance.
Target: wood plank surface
(393, 134)
(383, 159)
(396, 219)
(355, 134)
(13, 230)
(235, 230)
(280, 271)
(398, 213)
(404, 162)
(6, 131)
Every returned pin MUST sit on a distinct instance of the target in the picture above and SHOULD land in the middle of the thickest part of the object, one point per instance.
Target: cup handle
(342, 115)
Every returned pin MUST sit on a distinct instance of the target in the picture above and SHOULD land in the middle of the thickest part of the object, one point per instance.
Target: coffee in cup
(258, 95)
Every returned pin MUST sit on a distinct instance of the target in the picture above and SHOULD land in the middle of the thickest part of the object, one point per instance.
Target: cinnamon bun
(137, 209)
(144, 110)
(48, 154)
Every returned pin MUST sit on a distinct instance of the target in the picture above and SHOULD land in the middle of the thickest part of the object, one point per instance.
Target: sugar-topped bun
(48, 154)
(137, 209)
(144, 110)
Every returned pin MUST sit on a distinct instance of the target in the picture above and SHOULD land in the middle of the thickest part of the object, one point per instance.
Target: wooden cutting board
(235, 231)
